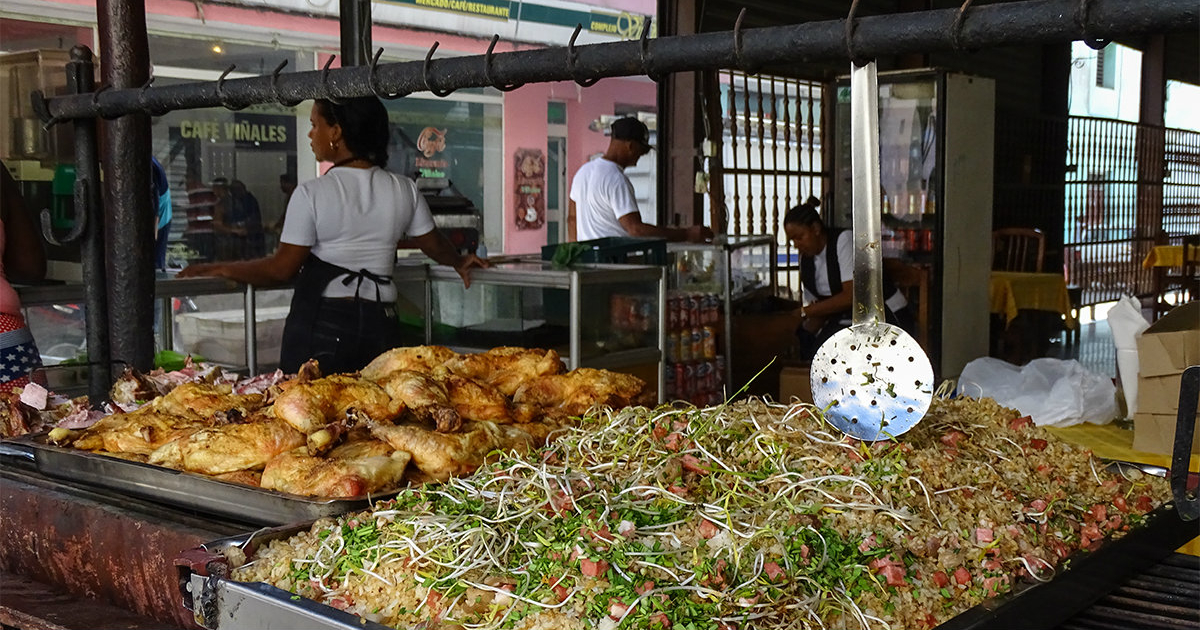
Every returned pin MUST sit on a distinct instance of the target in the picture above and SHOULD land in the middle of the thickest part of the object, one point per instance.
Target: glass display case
(600, 316)
(706, 281)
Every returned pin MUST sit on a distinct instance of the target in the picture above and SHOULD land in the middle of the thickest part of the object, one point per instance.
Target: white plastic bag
(1127, 324)
(1052, 392)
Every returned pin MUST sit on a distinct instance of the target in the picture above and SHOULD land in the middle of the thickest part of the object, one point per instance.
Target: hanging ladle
(873, 378)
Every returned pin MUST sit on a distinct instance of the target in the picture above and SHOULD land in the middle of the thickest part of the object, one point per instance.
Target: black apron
(342, 334)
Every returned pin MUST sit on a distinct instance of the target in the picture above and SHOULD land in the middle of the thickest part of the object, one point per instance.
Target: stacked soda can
(696, 368)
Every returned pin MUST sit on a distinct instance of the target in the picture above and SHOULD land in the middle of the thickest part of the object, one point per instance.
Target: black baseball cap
(629, 128)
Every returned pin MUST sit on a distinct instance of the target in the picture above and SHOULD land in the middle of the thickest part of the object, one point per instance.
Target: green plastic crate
(618, 250)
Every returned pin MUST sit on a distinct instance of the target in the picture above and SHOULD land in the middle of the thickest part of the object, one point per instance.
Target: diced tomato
(984, 535)
(879, 563)
(1144, 504)
(867, 544)
(995, 585)
(626, 528)
(993, 565)
(1115, 521)
(677, 489)
(1037, 505)
(659, 620)
(1093, 532)
(1044, 468)
(593, 568)
(1099, 512)
(773, 571)
(941, 579)
(930, 621)
(561, 592)
(691, 463)
(747, 602)
(675, 442)
(962, 575)
(617, 608)
(1121, 504)
(1038, 444)
(952, 438)
(659, 432)
(805, 551)
(644, 587)
(341, 603)
(1020, 423)
(708, 529)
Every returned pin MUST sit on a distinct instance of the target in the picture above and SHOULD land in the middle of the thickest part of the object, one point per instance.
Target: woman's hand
(466, 263)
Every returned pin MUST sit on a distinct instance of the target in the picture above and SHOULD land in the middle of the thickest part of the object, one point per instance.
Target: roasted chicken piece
(443, 455)
(414, 358)
(425, 398)
(507, 368)
(311, 405)
(574, 393)
(252, 478)
(229, 448)
(474, 400)
(206, 400)
(140, 432)
(353, 469)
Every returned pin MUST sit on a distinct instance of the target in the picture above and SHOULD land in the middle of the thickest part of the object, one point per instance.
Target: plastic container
(618, 250)
(220, 335)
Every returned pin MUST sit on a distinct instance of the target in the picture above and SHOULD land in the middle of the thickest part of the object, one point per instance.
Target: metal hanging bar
(1002, 24)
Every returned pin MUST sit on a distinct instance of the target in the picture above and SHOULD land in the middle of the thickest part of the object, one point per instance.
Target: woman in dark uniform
(827, 274)
(339, 243)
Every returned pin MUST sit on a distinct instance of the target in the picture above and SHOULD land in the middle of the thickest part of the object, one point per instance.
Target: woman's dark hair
(364, 123)
(804, 214)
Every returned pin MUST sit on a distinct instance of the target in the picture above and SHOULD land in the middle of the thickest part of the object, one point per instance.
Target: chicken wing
(415, 358)
(229, 448)
(507, 368)
(574, 393)
(474, 400)
(140, 432)
(311, 405)
(336, 476)
(425, 398)
(206, 400)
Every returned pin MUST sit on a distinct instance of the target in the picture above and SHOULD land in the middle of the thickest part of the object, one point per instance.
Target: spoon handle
(864, 162)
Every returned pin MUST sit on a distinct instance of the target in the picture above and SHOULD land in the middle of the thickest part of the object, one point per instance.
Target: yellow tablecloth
(1011, 291)
(1168, 256)
(1112, 442)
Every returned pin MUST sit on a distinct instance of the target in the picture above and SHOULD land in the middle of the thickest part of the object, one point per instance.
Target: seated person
(827, 274)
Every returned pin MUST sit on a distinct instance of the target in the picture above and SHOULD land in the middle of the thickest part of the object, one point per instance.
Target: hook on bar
(573, 58)
(327, 95)
(373, 79)
(275, 86)
(141, 100)
(42, 109)
(957, 26)
(851, 25)
(743, 65)
(425, 75)
(1081, 18)
(96, 100)
(221, 89)
(76, 231)
(487, 69)
(647, 56)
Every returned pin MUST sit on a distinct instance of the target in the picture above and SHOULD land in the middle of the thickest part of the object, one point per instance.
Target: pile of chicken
(350, 435)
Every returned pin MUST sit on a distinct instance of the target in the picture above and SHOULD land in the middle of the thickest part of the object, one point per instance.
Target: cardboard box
(1172, 343)
(1158, 394)
(794, 383)
(1155, 433)
(759, 344)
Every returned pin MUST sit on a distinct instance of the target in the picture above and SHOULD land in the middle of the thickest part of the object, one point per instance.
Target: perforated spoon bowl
(873, 378)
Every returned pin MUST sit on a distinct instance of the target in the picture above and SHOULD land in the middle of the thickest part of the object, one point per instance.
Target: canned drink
(648, 314)
(928, 240)
(672, 313)
(689, 381)
(708, 340)
(669, 382)
(697, 339)
(701, 377)
(720, 370)
(683, 350)
(672, 349)
(680, 381)
(694, 310)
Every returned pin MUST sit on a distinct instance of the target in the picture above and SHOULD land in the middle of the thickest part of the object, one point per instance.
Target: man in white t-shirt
(602, 201)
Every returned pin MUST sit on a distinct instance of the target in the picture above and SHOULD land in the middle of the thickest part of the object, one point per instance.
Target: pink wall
(525, 127)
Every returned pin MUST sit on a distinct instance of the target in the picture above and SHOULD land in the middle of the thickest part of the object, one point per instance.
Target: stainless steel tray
(219, 603)
(236, 502)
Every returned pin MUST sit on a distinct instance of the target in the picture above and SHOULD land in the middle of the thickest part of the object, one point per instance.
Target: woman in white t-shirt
(339, 243)
(827, 274)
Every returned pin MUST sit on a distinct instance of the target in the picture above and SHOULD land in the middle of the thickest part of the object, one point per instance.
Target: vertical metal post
(251, 328)
(81, 78)
(354, 21)
(130, 238)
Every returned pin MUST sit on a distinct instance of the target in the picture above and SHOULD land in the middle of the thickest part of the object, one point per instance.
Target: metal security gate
(1119, 203)
(772, 160)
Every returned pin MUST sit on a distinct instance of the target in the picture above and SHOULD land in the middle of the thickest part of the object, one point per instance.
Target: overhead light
(217, 48)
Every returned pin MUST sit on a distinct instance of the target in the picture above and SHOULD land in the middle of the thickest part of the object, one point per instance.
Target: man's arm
(572, 232)
(278, 268)
(632, 222)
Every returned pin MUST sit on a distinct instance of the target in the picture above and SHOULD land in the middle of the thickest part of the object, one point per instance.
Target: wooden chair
(913, 281)
(1018, 249)
(1185, 286)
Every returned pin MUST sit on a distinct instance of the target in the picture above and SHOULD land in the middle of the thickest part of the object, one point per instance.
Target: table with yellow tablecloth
(1013, 291)
(1169, 256)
